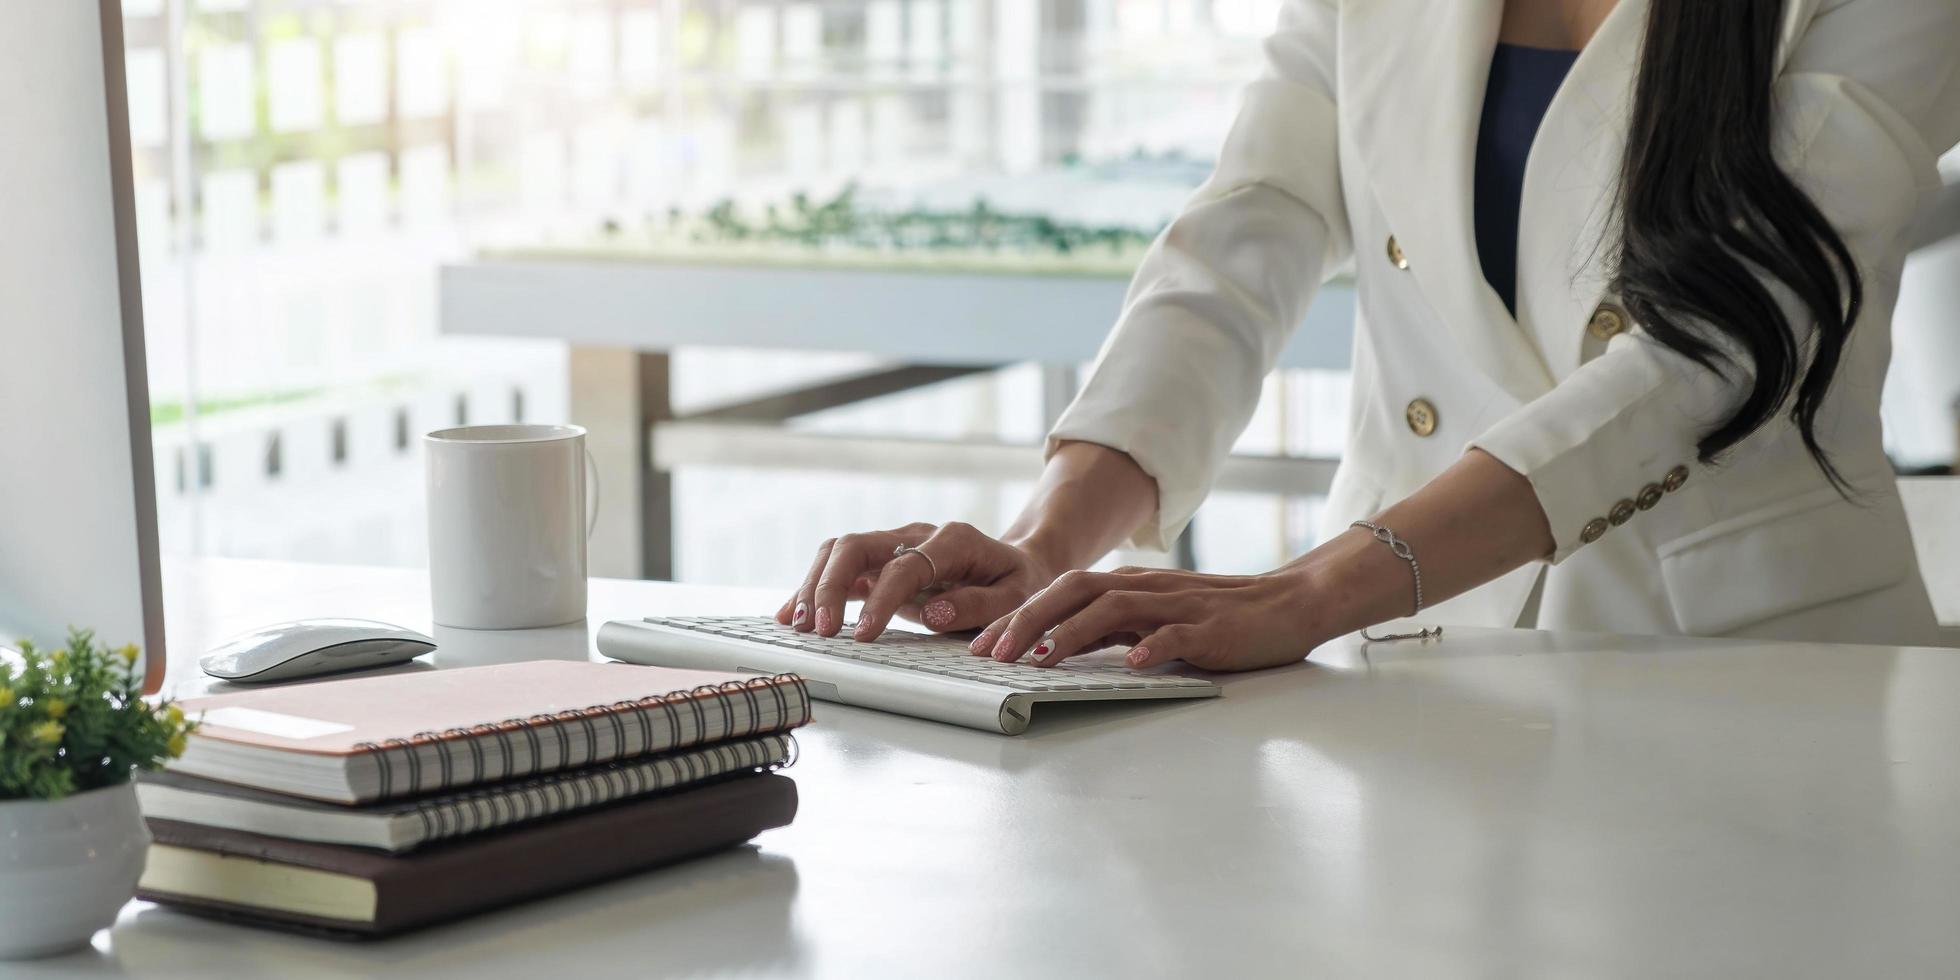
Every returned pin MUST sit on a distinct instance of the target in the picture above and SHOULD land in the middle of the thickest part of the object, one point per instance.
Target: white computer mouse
(312, 647)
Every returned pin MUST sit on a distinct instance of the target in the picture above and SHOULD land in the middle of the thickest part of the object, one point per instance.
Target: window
(304, 169)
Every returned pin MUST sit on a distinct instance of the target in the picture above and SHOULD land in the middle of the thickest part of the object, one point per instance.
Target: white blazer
(1354, 152)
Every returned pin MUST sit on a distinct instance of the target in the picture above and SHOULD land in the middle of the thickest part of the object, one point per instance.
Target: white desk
(1499, 804)
(914, 315)
(622, 311)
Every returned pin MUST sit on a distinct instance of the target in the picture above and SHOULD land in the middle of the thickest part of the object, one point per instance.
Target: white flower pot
(67, 868)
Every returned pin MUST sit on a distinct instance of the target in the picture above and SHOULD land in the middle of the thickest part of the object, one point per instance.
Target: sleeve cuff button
(1594, 530)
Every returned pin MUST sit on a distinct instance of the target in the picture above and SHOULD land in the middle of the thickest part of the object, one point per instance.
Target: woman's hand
(978, 579)
(1218, 622)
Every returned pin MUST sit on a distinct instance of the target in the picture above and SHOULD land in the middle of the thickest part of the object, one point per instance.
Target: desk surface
(918, 316)
(1500, 803)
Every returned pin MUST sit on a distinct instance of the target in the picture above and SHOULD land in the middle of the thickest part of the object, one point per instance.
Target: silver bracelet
(1402, 551)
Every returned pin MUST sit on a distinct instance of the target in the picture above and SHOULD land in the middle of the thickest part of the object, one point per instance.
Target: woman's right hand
(979, 580)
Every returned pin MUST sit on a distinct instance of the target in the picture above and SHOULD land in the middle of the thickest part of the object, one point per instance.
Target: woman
(1625, 274)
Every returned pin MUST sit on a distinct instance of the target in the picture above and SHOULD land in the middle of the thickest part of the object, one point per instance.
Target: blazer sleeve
(1222, 289)
(1867, 99)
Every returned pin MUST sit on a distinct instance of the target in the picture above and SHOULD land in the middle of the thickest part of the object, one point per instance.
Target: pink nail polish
(802, 613)
(938, 614)
(823, 621)
(1137, 656)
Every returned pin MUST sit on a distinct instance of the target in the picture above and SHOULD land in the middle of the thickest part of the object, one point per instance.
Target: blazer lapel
(1568, 228)
(1412, 83)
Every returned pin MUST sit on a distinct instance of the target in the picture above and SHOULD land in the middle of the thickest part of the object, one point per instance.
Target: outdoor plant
(74, 719)
(841, 222)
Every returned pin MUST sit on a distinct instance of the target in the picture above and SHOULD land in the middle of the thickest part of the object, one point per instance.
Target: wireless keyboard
(925, 676)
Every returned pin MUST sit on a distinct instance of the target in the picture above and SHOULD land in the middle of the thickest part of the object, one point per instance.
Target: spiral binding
(460, 814)
(786, 694)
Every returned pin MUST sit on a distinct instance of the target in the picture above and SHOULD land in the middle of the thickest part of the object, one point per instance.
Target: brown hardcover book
(358, 893)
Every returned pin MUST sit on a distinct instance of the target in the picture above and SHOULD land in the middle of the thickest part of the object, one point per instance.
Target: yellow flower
(48, 732)
(176, 745)
(59, 658)
(130, 653)
(6, 695)
(56, 708)
(174, 715)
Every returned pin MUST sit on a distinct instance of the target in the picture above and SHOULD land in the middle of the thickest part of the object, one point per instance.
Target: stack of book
(371, 806)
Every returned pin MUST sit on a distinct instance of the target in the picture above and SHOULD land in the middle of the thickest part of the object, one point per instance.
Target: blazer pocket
(1790, 555)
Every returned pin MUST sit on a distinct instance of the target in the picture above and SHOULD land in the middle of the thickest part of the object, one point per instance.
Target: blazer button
(1607, 322)
(1395, 256)
(1421, 417)
(1594, 530)
(1649, 496)
(1674, 478)
(1621, 513)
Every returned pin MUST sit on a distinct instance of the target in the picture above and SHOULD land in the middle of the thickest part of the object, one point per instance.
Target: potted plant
(73, 728)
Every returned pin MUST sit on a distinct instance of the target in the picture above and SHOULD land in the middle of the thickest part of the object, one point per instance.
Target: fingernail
(1003, 652)
(802, 613)
(823, 621)
(1137, 656)
(1040, 650)
(939, 614)
(863, 630)
(981, 645)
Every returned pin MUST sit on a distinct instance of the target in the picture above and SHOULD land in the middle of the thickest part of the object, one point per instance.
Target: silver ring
(906, 549)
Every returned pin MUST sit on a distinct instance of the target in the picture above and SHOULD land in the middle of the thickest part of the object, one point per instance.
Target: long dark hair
(1707, 213)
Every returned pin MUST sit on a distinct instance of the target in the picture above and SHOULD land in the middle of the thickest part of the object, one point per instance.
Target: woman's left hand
(1218, 622)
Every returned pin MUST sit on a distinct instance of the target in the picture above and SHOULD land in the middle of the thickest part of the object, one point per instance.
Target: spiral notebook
(380, 738)
(404, 825)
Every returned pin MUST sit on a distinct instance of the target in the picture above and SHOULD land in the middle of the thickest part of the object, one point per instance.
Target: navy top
(1522, 83)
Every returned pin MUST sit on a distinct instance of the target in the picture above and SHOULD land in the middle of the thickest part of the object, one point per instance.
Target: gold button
(1621, 513)
(1649, 496)
(1421, 416)
(1607, 322)
(1595, 529)
(1674, 478)
(1395, 256)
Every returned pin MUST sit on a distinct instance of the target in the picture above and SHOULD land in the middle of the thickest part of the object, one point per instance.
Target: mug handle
(592, 519)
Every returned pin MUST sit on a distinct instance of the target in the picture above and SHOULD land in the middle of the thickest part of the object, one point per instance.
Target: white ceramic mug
(508, 525)
(478, 648)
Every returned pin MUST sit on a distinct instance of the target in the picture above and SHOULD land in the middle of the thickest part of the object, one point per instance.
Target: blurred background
(305, 170)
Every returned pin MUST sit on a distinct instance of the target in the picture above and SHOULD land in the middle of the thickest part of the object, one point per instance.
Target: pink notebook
(370, 738)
